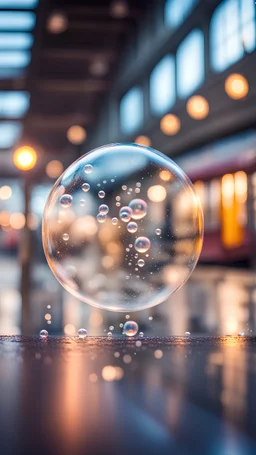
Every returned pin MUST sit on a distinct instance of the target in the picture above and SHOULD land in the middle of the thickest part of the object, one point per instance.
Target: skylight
(162, 86)
(18, 4)
(10, 132)
(13, 104)
(10, 20)
(14, 59)
(131, 110)
(16, 41)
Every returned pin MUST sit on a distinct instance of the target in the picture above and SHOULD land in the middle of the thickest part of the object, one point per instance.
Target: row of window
(232, 34)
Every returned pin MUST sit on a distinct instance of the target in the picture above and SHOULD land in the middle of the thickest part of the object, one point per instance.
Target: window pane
(176, 11)
(9, 133)
(247, 11)
(14, 59)
(232, 17)
(10, 20)
(219, 60)
(248, 36)
(13, 104)
(162, 86)
(131, 111)
(19, 4)
(190, 63)
(16, 40)
(217, 27)
(234, 50)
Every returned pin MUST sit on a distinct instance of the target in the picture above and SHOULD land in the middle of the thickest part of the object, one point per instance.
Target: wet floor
(178, 395)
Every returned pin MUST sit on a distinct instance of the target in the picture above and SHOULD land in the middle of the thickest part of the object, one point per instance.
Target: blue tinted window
(131, 111)
(13, 104)
(9, 133)
(162, 86)
(18, 4)
(16, 20)
(14, 59)
(176, 11)
(190, 63)
(232, 32)
(16, 40)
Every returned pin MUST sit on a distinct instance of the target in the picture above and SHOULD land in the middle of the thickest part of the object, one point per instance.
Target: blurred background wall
(175, 75)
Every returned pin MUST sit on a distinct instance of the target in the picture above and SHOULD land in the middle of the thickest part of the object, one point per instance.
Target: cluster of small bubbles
(82, 202)
(139, 208)
(88, 168)
(85, 187)
(101, 218)
(111, 327)
(118, 198)
(142, 244)
(124, 187)
(132, 227)
(187, 333)
(66, 200)
(101, 194)
(114, 221)
(158, 232)
(43, 334)
(103, 208)
(82, 333)
(141, 262)
(65, 237)
(141, 334)
(110, 334)
(125, 214)
(130, 328)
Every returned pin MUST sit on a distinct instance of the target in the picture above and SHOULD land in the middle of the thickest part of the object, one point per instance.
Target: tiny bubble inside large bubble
(122, 237)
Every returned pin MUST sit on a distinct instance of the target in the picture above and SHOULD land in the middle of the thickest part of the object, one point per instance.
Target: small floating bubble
(127, 316)
(103, 208)
(158, 354)
(150, 318)
(142, 244)
(141, 262)
(66, 200)
(118, 204)
(187, 333)
(138, 184)
(114, 221)
(111, 327)
(118, 198)
(88, 168)
(110, 334)
(130, 245)
(43, 334)
(137, 190)
(121, 325)
(141, 334)
(158, 232)
(48, 306)
(132, 227)
(125, 214)
(138, 343)
(65, 237)
(139, 208)
(82, 333)
(112, 180)
(104, 181)
(124, 187)
(82, 202)
(130, 328)
(85, 187)
(101, 194)
(101, 217)
(127, 249)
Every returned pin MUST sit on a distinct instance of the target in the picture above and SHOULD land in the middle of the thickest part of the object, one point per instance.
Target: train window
(131, 111)
(232, 32)
(190, 54)
(176, 12)
(162, 86)
(209, 195)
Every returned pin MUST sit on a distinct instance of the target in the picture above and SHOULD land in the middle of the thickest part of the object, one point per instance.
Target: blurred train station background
(175, 75)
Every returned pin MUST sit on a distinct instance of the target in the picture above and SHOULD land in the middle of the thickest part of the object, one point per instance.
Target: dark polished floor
(168, 396)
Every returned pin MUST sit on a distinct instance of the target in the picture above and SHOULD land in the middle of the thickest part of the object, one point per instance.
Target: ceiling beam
(76, 54)
(72, 86)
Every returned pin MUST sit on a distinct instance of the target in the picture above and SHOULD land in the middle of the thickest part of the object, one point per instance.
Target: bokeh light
(5, 192)
(54, 169)
(170, 124)
(57, 22)
(143, 140)
(110, 247)
(197, 107)
(76, 134)
(25, 158)
(17, 220)
(236, 86)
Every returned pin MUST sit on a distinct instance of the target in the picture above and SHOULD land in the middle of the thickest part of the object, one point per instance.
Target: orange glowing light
(236, 86)
(25, 158)
(143, 140)
(170, 124)
(54, 169)
(157, 193)
(76, 134)
(197, 107)
(5, 192)
(165, 175)
(17, 220)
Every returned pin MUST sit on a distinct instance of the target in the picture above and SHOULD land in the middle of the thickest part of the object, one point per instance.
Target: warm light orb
(236, 86)
(25, 158)
(157, 193)
(170, 124)
(54, 169)
(166, 176)
(143, 140)
(57, 22)
(76, 134)
(197, 107)
(17, 220)
(5, 192)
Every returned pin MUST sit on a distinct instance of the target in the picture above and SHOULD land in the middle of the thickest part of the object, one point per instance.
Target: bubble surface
(82, 333)
(132, 227)
(158, 231)
(139, 209)
(130, 328)
(43, 334)
(86, 187)
(66, 200)
(103, 208)
(141, 262)
(99, 244)
(142, 244)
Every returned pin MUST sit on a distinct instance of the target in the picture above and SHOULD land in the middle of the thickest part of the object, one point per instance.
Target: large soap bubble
(130, 259)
